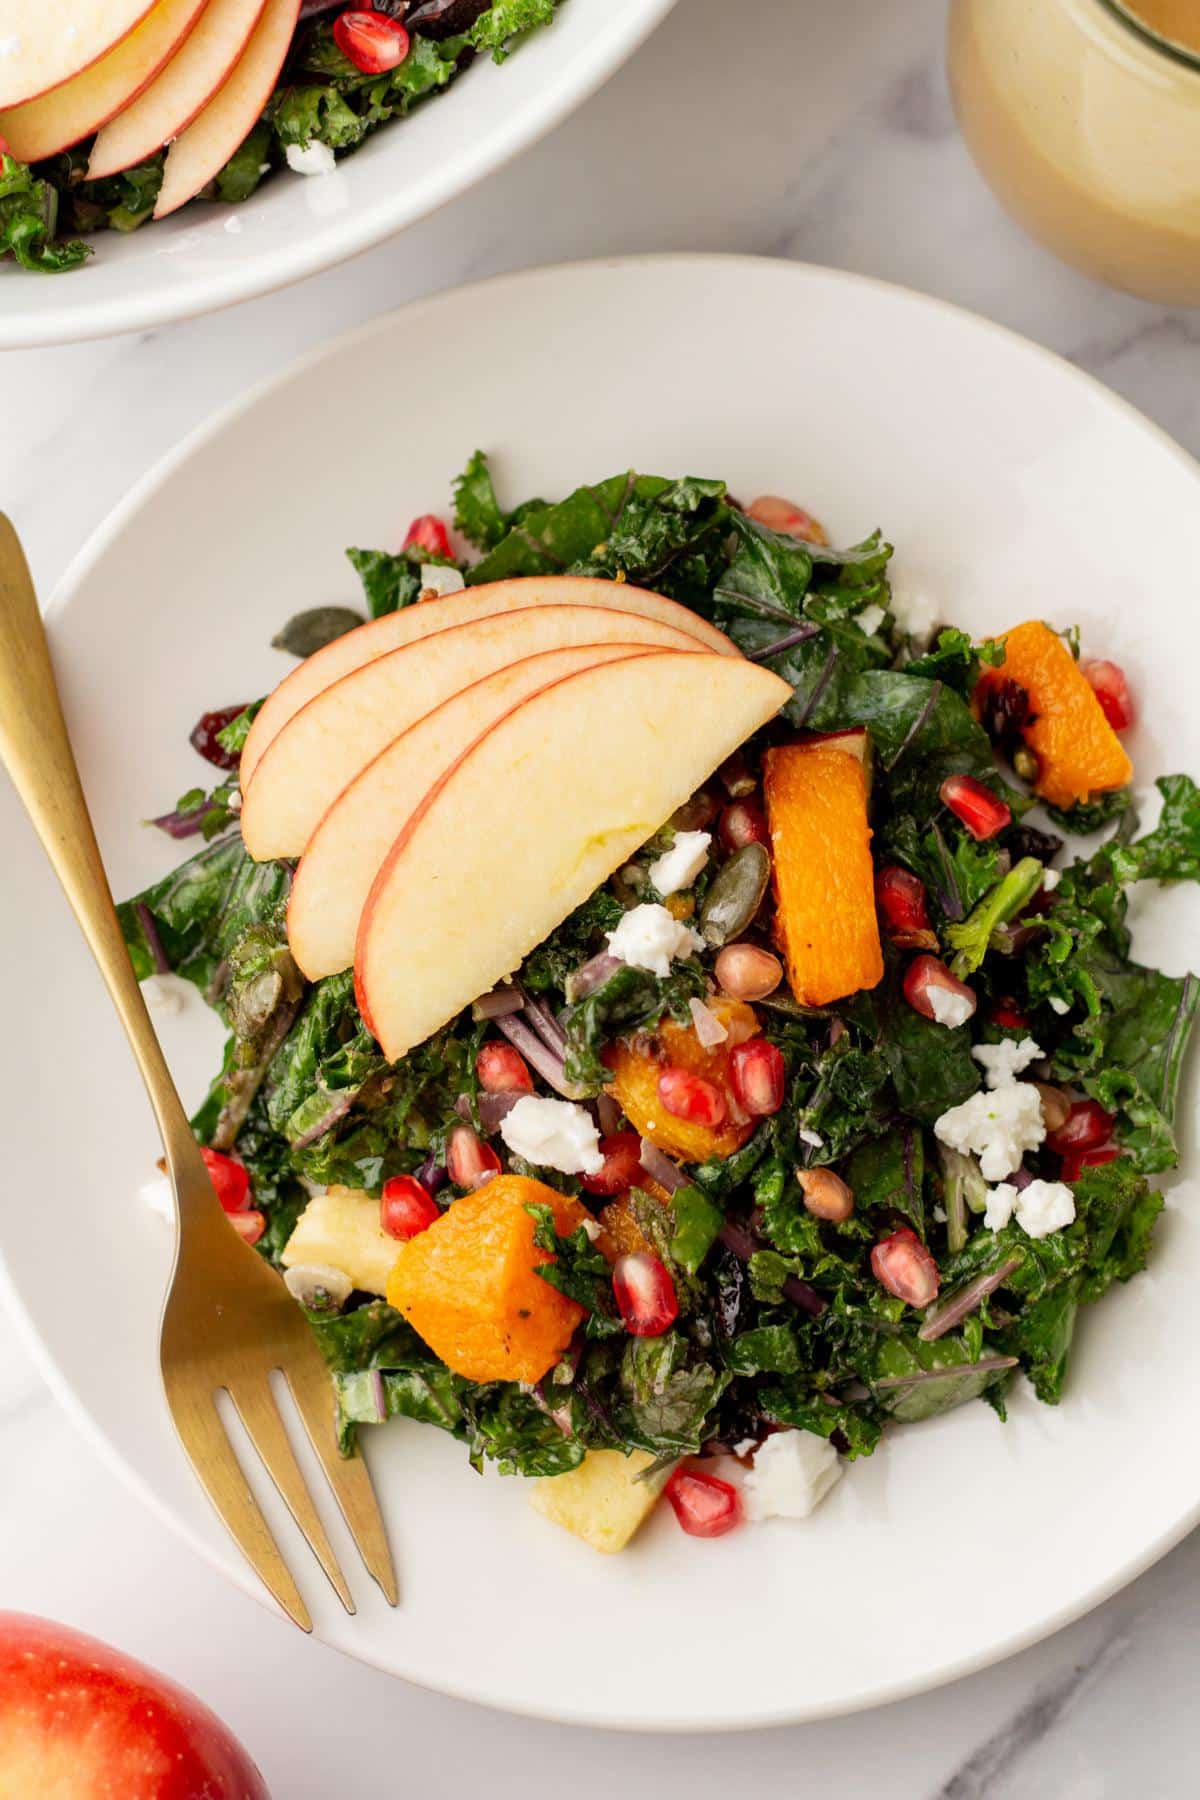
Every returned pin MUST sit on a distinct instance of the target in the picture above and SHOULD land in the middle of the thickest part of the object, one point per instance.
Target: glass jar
(1086, 124)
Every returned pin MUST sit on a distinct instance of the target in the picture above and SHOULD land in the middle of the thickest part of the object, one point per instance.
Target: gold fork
(228, 1323)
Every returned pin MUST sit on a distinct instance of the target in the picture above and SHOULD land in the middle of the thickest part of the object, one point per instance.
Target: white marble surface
(813, 131)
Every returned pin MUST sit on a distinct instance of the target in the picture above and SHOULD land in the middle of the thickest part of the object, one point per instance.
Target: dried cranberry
(203, 737)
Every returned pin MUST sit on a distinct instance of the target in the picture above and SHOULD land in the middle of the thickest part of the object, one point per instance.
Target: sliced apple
(182, 89)
(346, 851)
(381, 636)
(43, 44)
(72, 112)
(533, 817)
(200, 153)
(343, 728)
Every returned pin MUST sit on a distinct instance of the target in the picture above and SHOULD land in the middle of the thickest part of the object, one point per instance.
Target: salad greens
(783, 1319)
(321, 98)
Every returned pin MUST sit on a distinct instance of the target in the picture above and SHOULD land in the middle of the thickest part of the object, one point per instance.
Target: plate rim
(77, 571)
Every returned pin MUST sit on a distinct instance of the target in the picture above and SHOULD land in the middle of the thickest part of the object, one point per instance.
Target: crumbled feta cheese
(810, 1137)
(1051, 879)
(1043, 1207)
(997, 1127)
(1003, 1062)
(679, 866)
(649, 938)
(163, 993)
(311, 159)
(1000, 1203)
(870, 619)
(1061, 1007)
(793, 1471)
(939, 1215)
(593, 1228)
(950, 1008)
(439, 579)
(553, 1134)
(914, 611)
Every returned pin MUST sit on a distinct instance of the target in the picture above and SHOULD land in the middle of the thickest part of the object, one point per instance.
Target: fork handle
(36, 750)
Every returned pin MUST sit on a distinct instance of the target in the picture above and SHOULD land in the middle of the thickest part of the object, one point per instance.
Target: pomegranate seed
(747, 973)
(690, 1097)
(934, 992)
(373, 41)
(903, 1265)
(1108, 683)
(1087, 1125)
(203, 737)
(468, 1159)
(900, 897)
(1079, 1160)
(502, 1070)
(743, 823)
(1008, 1016)
(406, 1207)
(249, 1225)
(783, 515)
(705, 1506)
(428, 533)
(230, 1178)
(645, 1294)
(758, 1077)
(980, 810)
(622, 1153)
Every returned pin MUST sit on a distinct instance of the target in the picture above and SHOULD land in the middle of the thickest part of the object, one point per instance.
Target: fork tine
(210, 1453)
(348, 1476)
(258, 1412)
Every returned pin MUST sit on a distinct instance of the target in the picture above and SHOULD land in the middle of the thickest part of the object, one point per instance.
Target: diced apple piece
(602, 1501)
(381, 636)
(347, 849)
(72, 112)
(46, 44)
(198, 154)
(533, 817)
(341, 1229)
(342, 729)
(855, 742)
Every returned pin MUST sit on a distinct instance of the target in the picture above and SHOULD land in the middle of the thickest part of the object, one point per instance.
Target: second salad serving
(666, 1046)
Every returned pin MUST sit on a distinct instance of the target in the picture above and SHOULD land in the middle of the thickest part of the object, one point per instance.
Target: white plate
(207, 257)
(1012, 486)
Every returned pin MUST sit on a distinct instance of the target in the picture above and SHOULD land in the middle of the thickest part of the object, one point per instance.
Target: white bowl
(207, 257)
(1011, 484)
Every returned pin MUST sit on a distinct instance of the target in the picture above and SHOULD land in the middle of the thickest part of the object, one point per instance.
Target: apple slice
(381, 636)
(43, 44)
(200, 153)
(183, 88)
(72, 112)
(342, 729)
(533, 817)
(346, 851)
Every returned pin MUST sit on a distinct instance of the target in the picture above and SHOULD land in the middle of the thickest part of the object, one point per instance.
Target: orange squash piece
(468, 1285)
(636, 1067)
(1077, 749)
(825, 921)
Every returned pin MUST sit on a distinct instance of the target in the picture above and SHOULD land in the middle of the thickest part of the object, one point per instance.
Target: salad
(209, 98)
(831, 1103)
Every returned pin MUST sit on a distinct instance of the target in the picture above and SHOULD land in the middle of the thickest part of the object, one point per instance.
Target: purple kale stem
(744, 1244)
(335, 1111)
(544, 1022)
(803, 1296)
(956, 1306)
(984, 1367)
(801, 635)
(822, 682)
(536, 1051)
(918, 722)
(162, 963)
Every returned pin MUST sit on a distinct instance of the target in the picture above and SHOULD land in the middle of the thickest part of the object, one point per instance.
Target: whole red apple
(80, 1721)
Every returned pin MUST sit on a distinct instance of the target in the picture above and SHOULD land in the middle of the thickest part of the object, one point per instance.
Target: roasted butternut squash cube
(636, 1065)
(825, 919)
(468, 1285)
(1077, 749)
(602, 1501)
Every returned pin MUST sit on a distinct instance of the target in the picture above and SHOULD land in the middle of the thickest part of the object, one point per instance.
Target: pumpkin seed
(735, 895)
(308, 631)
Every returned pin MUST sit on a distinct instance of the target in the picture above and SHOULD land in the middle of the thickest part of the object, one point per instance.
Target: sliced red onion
(660, 1167)
(432, 1175)
(745, 1244)
(378, 1395)
(591, 975)
(492, 1108)
(955, 1307)
(1020, 1179)
(735, 1237)
(162, 963)
(709, 1029)
(539, 1055)
(608, 1113)
(983, 1367)
(803, 1296)
(186, 824)
(545, 1023)
(497, 1004)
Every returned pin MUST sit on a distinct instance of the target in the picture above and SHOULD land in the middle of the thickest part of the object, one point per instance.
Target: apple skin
(47, 55)
(82, 1721)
